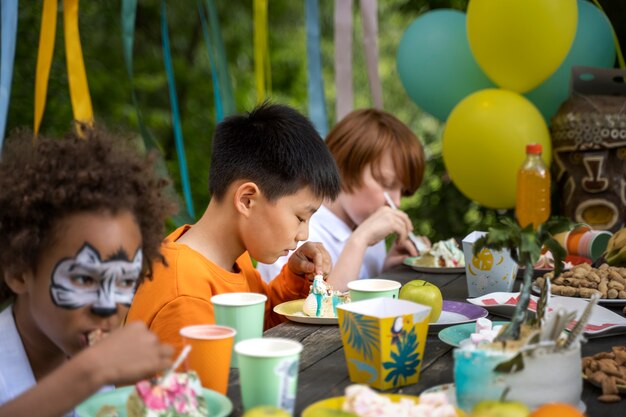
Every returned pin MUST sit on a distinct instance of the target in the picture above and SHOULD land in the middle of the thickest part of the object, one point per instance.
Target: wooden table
(324, 374)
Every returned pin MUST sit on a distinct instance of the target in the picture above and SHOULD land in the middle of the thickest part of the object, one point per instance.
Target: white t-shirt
(16, 375)
(333, 233)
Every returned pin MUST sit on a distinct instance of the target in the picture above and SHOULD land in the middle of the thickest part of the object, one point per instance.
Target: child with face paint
(82, 222)
(270, 171)
(376, 154)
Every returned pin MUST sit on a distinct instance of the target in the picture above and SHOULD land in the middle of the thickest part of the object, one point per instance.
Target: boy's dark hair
(43, 181)
(275, 147)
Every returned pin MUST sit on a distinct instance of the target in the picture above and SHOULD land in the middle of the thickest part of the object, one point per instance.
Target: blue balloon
(593, 46)
(435, 63)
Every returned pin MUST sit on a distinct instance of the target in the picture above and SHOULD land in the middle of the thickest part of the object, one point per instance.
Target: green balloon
(435, 63)
(593, 47)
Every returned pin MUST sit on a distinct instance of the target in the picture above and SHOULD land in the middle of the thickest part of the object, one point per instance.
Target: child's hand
(130, 354)
(310, 259)
(382, 223)
(400, 250)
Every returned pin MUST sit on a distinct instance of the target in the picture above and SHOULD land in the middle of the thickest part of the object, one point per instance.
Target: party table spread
(324, 374)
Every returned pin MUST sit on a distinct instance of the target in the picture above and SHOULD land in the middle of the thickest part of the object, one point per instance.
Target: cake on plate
(322, 300)
(443, 254)
(176, 395)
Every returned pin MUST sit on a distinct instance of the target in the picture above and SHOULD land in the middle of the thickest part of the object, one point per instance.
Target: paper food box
(383, 340)
(490, 270)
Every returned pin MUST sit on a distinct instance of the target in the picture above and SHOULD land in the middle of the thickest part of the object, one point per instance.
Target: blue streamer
(219, 112)
(8, 14)
(178, 133)
(317, 102)
(223, 75)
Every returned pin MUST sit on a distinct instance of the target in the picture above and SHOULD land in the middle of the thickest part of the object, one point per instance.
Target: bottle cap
(534, 148)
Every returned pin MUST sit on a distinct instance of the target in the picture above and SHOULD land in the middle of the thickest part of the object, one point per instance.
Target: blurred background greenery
(438, 209)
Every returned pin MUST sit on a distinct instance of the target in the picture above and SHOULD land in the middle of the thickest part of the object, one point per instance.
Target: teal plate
(453, 335)
(218, 404)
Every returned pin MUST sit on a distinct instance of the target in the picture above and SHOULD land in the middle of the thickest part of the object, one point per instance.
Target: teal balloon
(435, 63)
(593, 46)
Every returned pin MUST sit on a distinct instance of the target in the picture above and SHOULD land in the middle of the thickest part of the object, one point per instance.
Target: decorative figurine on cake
(532, 359)
(322, 300)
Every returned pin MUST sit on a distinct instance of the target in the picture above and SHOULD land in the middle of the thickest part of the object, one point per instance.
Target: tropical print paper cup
(383, 340)
(489, 270)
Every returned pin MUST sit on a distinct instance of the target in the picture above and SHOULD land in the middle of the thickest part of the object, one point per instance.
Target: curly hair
(43, 180)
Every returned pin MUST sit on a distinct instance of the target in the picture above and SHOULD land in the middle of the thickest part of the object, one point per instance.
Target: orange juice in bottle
(532, 203)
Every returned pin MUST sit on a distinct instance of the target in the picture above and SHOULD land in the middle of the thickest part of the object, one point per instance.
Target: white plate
(612, 301)
(293, 311)
(603, 322)
(433, 270)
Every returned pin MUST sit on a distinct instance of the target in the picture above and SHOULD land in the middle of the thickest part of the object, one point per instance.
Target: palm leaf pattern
(361, 334)
(405, 360)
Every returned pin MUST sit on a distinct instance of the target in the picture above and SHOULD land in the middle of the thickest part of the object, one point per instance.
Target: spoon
(419, 244)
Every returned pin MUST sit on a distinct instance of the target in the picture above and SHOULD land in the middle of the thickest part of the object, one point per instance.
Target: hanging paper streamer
(219, 113)
(79, 90)
(44, 57)
(129, 12)
(343, 57)
(618, 48)
(369, 16)
(223, 75)
(77, 78)
(261, 52)
(8, 29)
(317, 103)
(178, 132)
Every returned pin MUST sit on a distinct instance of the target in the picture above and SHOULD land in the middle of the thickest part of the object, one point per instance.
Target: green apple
(493, 408)
(266, 411)
(423, 292)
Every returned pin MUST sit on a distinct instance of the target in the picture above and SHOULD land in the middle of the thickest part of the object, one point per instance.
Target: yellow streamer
(44, 58)
(262, 68)
(618, 48)
(79, 90)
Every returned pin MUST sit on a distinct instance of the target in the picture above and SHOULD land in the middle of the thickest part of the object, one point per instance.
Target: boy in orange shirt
(270, 171)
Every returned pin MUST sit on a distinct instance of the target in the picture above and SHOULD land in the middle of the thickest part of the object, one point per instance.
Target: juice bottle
(532, 204)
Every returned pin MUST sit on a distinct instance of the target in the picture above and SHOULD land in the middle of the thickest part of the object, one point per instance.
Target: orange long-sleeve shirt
(179, 294)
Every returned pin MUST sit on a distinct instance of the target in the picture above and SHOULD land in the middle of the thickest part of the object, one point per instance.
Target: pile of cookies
(583, 281)
(608, 371)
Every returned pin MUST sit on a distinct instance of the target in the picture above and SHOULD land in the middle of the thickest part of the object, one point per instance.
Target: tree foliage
(438, 209)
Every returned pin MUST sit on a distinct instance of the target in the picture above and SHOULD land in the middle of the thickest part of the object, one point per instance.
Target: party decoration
(8, 28)
(176, 124)
(520, 43)
(315, 85)
(262, 68)
(369, 17)
(344, 102)
(77, 78)
(435, 63)
(484, 144)
(593, 47)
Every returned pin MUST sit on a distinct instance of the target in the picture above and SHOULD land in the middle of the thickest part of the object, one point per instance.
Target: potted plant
(532, 359)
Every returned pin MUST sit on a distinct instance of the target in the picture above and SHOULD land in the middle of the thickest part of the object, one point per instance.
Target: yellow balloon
(484, 144)
(520, 43)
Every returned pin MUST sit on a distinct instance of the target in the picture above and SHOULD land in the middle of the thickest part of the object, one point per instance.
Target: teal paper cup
(244, 312)
(366, 289)
(268, 372)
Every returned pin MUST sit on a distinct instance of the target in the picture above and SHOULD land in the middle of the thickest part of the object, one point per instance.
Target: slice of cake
(443, 254)
(177, 395)
(322, 300)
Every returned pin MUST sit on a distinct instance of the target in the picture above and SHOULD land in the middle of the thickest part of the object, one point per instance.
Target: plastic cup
(211, 349)
(598, 244)
(574, 239)
(366, 289)
(268, 372)
(244, 312)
